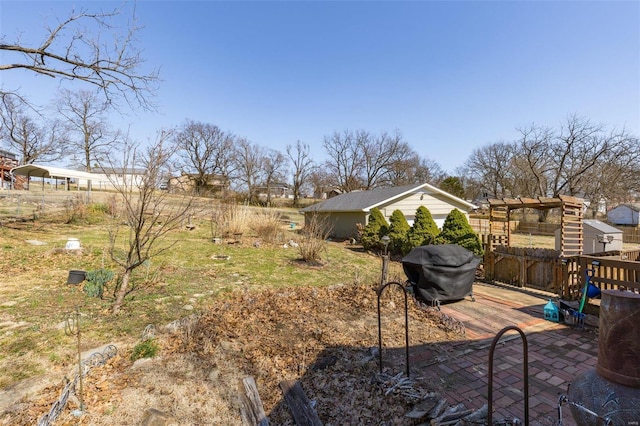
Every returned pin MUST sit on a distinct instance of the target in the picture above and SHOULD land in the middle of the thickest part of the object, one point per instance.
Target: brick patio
(557, 354)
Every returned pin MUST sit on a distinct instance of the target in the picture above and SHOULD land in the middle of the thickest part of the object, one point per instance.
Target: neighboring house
(597, 237)
(482, 201)
(624, 214)
(186, 182)
(332, 193)
(7, 162)
(344, 212)
(129, 177)
(598, 208)
(275, 190)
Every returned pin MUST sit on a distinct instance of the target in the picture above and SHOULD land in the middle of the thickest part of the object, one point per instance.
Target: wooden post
(252, 411)
(385, 269)
(300, 406)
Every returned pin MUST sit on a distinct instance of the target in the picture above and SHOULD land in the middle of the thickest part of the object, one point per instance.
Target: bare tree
(490, 167)
(576, 149)
(204, 150)
(148, 215)
(302, 167)
(89, 137)
(361, 160)
(345, 160)
(579, 159)
(248, 159)
(273, 166)
(615, 175)
(380, 154)
(22, 133)
(414, 169)
(320, 181)
(532, 163)
(94, 48)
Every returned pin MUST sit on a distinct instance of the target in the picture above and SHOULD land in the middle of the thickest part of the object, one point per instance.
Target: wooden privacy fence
(544, 269)
(609, 273)
(630, 234)
(525, 267)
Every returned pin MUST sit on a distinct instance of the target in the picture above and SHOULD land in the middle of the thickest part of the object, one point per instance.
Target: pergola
(571, 220)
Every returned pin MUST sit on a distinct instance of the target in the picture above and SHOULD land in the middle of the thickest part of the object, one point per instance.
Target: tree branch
(115, 69)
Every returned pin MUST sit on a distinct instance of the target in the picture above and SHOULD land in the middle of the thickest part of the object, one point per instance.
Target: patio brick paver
(557, 354)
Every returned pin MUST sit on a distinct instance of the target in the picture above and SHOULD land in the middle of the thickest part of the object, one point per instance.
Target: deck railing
(609, 273)
(543, 269)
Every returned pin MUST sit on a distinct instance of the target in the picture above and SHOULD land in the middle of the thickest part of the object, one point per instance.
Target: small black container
(76, 277)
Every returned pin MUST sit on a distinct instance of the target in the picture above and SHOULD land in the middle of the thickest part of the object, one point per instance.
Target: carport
(49, 172)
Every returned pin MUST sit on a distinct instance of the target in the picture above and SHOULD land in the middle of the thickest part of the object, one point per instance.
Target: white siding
(438, 206)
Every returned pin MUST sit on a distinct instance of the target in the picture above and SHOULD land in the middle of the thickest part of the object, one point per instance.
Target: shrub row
(424, 231)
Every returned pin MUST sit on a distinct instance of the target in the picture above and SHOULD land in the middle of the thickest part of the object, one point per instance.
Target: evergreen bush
(398, 230)
(96, 281)
(456, 230)
(424, 230)
(148, 348)
(374, 230)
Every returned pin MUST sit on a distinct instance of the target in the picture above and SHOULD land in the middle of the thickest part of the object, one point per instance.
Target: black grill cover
(441, 272)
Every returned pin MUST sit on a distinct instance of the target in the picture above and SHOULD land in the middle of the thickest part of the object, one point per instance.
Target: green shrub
(96, 281)
(148, 348)
(99, 208)
(374, 230)
(398, 230)
(424, 230)
(456, 230)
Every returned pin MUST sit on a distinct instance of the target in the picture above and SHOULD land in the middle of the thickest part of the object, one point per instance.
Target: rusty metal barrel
(619, 337)
(610, 393)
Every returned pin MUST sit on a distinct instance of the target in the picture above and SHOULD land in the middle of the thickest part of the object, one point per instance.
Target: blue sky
(450, 76)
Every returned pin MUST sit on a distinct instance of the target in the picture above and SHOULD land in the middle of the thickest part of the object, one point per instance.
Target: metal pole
(72, 328)
(525, 372)
(406, 323)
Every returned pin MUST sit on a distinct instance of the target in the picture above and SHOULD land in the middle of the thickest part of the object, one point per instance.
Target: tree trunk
(122, 291)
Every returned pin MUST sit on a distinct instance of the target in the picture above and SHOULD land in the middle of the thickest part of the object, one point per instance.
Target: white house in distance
(345, 211)
(625, 214)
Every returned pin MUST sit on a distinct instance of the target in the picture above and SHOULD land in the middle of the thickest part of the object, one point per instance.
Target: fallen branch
(478, 416)
(437, 409)
(451, 415)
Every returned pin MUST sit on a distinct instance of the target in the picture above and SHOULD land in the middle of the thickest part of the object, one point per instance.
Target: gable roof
(601, 226)
(633, 206)
(363, 201)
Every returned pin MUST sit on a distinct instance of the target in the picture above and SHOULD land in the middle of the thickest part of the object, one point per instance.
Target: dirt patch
(326, 338)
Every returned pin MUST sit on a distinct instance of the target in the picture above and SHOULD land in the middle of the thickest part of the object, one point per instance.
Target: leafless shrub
(75, 209)
(267, 225)
(112, 206)
(313, 238)
(229, 219)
